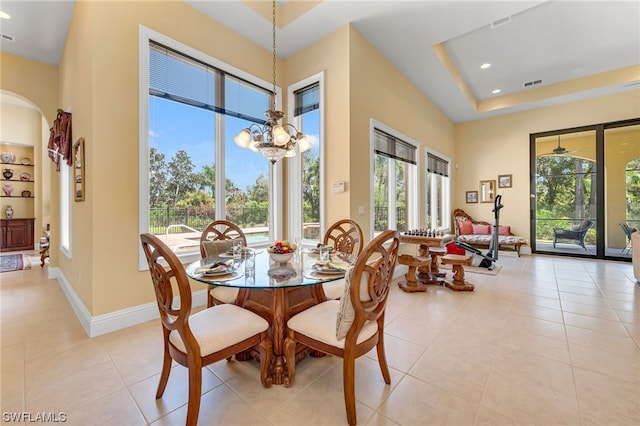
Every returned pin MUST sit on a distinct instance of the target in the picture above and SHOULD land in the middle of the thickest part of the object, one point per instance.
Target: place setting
(333, 267)
(220, 270)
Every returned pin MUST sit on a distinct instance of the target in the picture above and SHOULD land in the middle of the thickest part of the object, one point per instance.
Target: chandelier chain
(273, 17)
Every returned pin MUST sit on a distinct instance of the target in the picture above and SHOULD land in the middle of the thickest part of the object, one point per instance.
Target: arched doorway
(25, 135)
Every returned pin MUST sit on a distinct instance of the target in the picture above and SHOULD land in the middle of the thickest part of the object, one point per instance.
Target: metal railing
(165, 220)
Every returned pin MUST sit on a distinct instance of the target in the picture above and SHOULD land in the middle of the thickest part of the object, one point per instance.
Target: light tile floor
(547, 341)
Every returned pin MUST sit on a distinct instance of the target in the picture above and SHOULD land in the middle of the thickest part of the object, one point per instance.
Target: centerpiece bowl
(282, 251)
(281, 257)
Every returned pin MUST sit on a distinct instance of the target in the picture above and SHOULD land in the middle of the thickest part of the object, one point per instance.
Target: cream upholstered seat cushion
(224, 294)
(333, 290)
(319, 323)
(221, 326)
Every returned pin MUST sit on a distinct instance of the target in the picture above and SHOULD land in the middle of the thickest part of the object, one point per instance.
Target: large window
(437, 200)
(194, 173)
(395, 196)
(305, 171)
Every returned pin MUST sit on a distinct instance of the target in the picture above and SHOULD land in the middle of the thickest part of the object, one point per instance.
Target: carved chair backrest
(220, 230)
(374, 269)
(346, 236)
(165, 282)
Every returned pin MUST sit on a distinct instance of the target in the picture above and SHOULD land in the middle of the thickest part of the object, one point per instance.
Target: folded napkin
(332, 264)
(216, 267)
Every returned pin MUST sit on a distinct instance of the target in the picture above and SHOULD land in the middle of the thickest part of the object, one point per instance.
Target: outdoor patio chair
(575, 234)
(628, 230)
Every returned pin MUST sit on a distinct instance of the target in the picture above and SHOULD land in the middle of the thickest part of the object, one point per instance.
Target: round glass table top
(304, 268)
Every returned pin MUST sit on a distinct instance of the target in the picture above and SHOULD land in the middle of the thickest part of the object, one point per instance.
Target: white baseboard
(117, 320)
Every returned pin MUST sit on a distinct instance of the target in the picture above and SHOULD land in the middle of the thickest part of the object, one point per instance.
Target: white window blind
(180, 78)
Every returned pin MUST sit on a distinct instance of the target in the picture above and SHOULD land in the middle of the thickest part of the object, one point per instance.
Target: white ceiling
(554, 41)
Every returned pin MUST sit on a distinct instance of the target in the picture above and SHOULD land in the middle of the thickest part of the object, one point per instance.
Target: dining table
(276, 291)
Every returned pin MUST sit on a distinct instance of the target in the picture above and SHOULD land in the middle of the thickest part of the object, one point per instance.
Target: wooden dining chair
(345, 236)
(208, 336)
(348, 328)
(216, 238)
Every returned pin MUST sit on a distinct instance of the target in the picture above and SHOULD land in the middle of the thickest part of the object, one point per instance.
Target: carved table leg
(411, 283)
(458, 283)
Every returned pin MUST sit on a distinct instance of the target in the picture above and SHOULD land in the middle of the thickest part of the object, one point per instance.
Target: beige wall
(330, 55)
(487, 148)
(33, 81)
(378, 90)
(37, 84)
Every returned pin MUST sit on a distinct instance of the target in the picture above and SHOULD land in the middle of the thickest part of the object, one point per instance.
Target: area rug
(476, 269)
(14, 262)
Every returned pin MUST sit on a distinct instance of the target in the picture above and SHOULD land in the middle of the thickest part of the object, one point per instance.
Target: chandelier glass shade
(272, 139)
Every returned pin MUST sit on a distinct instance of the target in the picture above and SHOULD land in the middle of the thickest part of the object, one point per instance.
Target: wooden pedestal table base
(411, 283)
(277, 305)
(457, 263)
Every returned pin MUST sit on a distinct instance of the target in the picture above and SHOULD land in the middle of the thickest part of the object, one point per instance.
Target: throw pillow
(481, 229)
(465, 227)
(216, 247)
(346, 312)
(504, 230)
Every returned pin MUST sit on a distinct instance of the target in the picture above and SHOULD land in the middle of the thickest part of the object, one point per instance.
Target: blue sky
(174, 127)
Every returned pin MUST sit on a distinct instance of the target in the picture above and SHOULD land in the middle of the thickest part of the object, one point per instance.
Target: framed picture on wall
(472, 197)
(504, 181)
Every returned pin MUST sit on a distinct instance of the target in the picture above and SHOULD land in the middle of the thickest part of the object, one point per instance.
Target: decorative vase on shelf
(7, 188)
(8, 212)
(7, 157)
(7, 173)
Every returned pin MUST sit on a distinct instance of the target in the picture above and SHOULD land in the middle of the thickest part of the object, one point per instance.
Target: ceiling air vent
(499, 22)
(532, 83)
(7, 37)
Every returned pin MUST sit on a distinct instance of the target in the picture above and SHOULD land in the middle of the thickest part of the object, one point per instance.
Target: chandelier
(272, 139)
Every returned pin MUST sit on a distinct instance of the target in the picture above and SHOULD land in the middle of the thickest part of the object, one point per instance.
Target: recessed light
(485, 66)
(494, 91)
(4, 15)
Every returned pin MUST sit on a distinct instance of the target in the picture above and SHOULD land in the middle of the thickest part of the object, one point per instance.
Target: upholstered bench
(478, 234)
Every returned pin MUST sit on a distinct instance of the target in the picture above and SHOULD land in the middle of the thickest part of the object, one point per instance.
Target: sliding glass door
(585, 190)
(622, 186)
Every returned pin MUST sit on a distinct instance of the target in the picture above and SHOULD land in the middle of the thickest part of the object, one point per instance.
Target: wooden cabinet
(16, 234)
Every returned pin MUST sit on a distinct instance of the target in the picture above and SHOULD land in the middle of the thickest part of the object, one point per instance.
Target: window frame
(413, 200)
(294, 165)
(65, 207)
(446, 202)
(145, 35)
